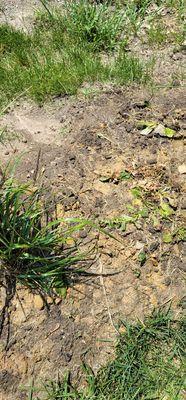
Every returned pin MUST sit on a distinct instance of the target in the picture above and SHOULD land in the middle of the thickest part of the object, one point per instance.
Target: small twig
(44, 3)
(54, 330)
(105, 294)
(37, 166)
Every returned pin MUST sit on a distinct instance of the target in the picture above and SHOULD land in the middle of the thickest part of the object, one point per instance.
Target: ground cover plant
(64, 50)
(149, 364)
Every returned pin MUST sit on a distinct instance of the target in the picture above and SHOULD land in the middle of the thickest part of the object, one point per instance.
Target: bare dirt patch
(85, 144)
(20, 14)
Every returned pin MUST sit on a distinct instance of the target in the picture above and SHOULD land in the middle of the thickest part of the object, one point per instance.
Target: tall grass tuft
(96, 24)
(34, 248)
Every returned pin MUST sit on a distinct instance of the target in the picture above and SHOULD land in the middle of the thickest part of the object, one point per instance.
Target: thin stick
(105, 294)
(44, 3)
(37, 166)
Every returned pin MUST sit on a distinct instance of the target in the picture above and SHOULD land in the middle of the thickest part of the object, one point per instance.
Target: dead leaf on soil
(182, 169)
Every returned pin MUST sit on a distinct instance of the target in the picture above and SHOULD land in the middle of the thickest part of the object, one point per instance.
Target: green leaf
(61, 292)
(169, 132)
(137, 273)
(136, 192)
(167, 237)
(181, 234)
(142, 258)
(143, 213)
(165, 210)
(125, 175)
(147, 124)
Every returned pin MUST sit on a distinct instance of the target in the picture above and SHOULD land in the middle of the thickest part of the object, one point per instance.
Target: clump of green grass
(157, 34)
(129, 68)
(94, 23)
(149, 364)
(34, 248)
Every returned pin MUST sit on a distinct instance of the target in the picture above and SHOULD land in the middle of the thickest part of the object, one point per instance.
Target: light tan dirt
(82, 139)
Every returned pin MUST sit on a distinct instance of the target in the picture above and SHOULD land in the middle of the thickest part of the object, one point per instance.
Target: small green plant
(149, 364)
(142, 257)
(157, 34)
(181, 234)
(119, 222)
(128, 68)
(125, 175)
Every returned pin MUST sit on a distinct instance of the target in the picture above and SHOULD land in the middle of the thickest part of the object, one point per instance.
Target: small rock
(24, 140)
(82, 234)
(108, 252)
(68, 356)
(75, 206)
(167, 281)
(176, 83)
(49, 300)
(153, 246)
(108, 156)
(139, 245)
(154, 229)
(177, 56)
(173, 203)
(53, 163)
(7, 153)
(122, 330)
(182, 169)
(38, 302)
(58, 300)
(152, 161)
(183, 204)
(129, 127)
